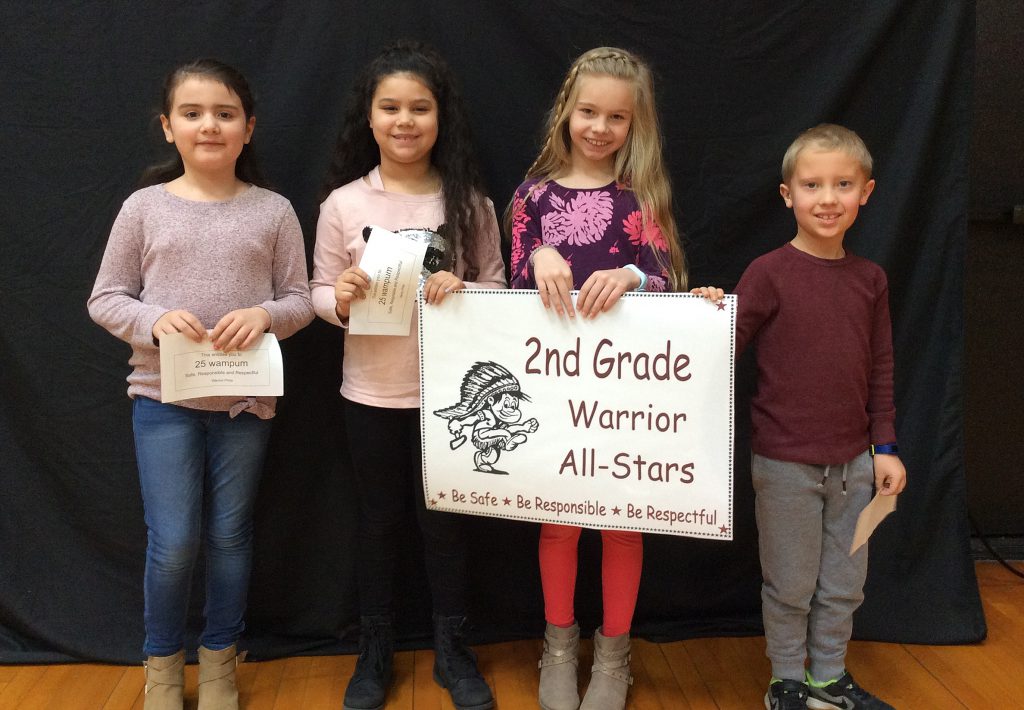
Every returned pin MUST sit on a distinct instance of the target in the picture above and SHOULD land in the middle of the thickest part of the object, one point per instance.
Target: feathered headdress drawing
(482, 380)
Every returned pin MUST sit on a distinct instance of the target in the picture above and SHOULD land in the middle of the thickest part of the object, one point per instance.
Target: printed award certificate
(189, 369)
(393, 264)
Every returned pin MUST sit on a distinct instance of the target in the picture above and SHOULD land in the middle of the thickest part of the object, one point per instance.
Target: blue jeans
(186, 456)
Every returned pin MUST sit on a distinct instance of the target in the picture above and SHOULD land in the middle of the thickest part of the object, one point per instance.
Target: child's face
(207, 125)
(506, 409)
(600, 120)
(826, 191)
(403, 118)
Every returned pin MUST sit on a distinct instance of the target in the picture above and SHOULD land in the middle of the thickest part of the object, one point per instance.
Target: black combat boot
(369, 683)
(455, 666)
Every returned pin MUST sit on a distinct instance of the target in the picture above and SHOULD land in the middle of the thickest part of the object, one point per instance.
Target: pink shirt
(383, 370)
(168, 253)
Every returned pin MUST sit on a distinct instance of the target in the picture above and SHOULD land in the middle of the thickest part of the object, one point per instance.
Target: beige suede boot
(217, 689)
(558, 684)
(610, 678)
(165, 682)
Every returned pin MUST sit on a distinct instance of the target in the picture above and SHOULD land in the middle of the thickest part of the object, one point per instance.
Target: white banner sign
(624, 421)
(189, 369)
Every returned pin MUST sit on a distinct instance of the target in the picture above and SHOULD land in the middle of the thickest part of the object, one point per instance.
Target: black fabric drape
(736, 82)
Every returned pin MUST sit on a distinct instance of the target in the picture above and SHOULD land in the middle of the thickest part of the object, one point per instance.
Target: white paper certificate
(393, 264)
(189, 369)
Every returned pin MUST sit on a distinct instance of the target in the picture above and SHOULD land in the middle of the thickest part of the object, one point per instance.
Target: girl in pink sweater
(205, 251)
(404, 161)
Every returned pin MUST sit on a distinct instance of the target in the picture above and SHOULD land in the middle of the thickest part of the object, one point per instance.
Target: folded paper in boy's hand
(869, 518)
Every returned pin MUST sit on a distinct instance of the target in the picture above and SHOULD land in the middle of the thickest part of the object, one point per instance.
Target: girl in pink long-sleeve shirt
(403, 161)
(206, 252)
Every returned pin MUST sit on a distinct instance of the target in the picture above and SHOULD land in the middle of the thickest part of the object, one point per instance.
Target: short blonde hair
(827, 136)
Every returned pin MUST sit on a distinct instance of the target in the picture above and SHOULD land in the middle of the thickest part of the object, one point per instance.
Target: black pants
(385, 448)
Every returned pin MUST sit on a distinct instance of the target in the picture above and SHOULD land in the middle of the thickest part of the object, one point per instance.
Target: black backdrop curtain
(736, 82)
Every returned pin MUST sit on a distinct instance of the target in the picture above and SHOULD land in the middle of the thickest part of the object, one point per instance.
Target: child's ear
(250, 126)
(786, 196)
(866, 191)
(166, 125)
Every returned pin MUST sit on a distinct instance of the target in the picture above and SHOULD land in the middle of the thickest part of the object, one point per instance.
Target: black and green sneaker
(786, 695)
(843, 694)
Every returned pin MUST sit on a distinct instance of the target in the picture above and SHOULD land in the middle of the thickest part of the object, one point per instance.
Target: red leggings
(621, 561)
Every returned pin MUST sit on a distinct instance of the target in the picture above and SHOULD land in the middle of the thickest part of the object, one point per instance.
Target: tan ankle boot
(165, 682)
(610, 678)
(217, 688)
(558, 684)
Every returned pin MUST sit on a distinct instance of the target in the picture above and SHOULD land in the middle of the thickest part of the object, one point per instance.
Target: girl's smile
(600, 120)
(403, 118)
(207, 125)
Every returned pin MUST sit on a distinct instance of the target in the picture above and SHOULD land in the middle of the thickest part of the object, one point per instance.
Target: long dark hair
(246, 167)
(356, 152)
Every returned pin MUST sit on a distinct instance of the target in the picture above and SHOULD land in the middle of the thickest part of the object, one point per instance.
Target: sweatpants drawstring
(828, 467)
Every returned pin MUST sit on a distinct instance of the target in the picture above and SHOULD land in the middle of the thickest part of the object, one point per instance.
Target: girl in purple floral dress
(595, 214)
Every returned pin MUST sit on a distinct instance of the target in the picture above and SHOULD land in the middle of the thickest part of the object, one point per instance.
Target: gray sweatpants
(812, 585)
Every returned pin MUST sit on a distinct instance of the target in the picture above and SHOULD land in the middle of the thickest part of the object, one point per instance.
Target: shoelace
(793, 695)
(460, 662)
(853, 690)
(373, 651)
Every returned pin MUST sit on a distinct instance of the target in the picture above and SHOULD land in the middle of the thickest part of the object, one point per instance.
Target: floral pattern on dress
(582, 220)
(641, 234)
(591, 228)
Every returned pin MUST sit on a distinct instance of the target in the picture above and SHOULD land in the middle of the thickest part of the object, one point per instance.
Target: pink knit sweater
(167, 253)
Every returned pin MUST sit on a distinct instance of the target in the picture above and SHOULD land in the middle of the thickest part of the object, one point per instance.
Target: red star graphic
(433, 502)
(507, 501)
(441, 495)
(616, 510)
(721, 305)
(723, 528)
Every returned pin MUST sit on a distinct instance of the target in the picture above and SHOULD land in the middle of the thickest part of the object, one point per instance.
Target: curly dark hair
(247, 168)
(356, 152)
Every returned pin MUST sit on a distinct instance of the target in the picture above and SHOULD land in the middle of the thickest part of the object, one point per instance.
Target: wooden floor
(723, 673)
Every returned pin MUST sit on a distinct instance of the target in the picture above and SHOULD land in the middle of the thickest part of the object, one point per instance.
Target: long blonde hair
(638, 163)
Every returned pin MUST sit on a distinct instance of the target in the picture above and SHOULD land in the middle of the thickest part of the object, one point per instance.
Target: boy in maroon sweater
(823, 419)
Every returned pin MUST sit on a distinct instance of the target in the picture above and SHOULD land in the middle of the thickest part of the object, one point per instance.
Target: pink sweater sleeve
(290, 309)
(331, 256)
(115, 303)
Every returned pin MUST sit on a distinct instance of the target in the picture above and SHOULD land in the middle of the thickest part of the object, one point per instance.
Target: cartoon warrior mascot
(489, 403)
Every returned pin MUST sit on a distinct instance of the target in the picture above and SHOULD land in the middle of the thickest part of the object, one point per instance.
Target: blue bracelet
(884, 449)
(642, 276)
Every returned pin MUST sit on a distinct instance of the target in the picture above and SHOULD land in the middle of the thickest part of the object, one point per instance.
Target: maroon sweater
(823, 340)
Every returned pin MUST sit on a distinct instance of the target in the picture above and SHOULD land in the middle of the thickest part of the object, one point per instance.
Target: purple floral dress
(593, 229)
